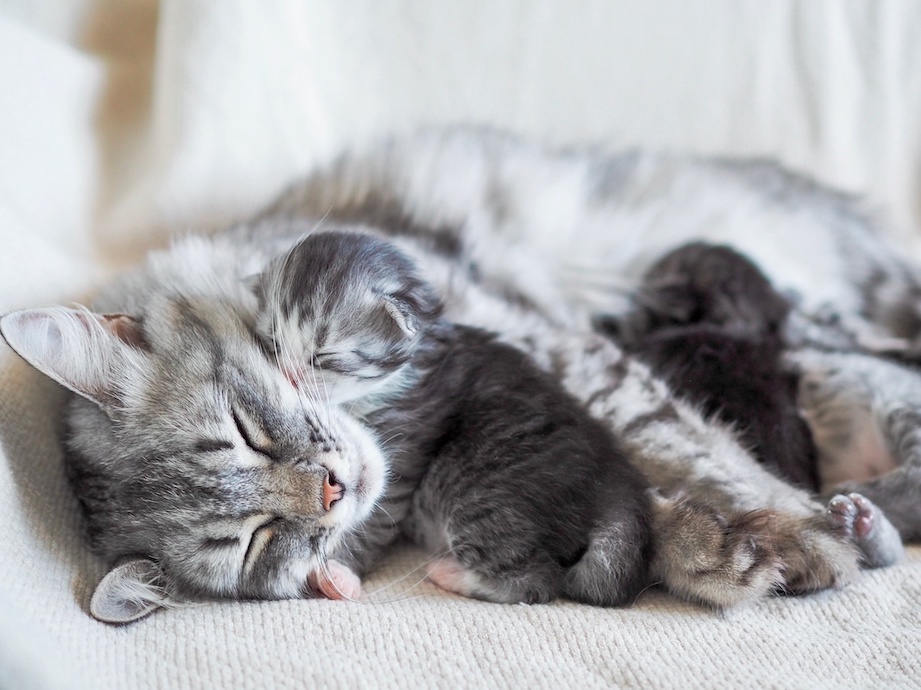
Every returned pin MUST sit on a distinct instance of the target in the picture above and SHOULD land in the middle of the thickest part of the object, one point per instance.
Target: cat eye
(252, 435)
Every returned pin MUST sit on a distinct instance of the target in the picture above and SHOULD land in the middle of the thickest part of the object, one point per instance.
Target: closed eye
(252, 435)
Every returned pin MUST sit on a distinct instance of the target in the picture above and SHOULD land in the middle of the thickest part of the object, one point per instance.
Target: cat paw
(448, 573)
(714, 559)
(860, 520)
(336, 581)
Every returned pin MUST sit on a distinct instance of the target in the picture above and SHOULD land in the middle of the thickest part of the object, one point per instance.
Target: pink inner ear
(126, 329)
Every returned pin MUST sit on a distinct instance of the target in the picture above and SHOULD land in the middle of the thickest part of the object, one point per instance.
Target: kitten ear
(403, 315)
(91, 354)
(129, 592)
(414, 310)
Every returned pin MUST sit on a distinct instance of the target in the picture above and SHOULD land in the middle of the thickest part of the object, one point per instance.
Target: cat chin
(366, 474)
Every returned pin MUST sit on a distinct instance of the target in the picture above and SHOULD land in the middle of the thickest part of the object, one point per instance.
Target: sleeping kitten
(344, 314)
(711, 324)
(525, 496)
(191, 450)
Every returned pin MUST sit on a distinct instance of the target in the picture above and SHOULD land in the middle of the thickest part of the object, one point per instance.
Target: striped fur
(518, 240)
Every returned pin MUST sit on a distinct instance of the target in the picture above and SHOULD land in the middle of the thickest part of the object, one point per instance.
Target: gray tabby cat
(498, 472)
(203, 471)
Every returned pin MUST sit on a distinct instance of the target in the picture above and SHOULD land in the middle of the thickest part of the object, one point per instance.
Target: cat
(518, 492)
(204, 471)
(711, 325)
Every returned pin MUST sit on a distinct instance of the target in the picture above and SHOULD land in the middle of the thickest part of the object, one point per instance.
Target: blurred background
(123, 121)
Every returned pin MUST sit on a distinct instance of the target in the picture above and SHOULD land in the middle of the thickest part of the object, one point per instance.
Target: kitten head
(701, 283)
(344, 311)
(201, 471)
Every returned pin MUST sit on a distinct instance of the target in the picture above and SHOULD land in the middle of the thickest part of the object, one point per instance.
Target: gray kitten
(200, 463)
(505, 476)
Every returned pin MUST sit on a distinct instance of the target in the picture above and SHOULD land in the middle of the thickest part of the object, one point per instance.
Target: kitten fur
(523, 495)
(711, 325)
(518, 239)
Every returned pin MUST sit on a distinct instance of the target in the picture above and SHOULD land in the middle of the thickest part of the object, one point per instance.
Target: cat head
(201, 471)
(701, 283)
(344, 311)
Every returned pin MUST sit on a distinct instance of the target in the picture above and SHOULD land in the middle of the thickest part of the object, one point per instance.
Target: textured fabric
(126, 120)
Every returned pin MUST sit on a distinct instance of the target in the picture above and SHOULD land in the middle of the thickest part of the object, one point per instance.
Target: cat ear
(129, 592)
(91, 354)
(403, 315)
(414, 310)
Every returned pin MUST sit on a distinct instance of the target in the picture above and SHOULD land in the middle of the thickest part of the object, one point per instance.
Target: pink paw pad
(866, 516)
(448, 573)
(335, 581)
(852, 514)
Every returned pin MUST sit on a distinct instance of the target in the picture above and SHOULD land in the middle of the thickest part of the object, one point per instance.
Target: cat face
(344, 312)
(194, 457)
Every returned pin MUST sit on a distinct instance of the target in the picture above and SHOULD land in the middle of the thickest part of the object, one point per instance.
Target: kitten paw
(858, 519)
(448, 573)
(336, 581)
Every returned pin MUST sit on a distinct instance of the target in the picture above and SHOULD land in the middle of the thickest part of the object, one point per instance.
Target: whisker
(403, 577)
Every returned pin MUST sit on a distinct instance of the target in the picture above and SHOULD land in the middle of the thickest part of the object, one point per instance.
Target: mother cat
(177, 396)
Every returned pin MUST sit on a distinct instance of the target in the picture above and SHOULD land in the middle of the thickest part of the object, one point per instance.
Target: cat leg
(724, 558)
(531, 582)
(866, 525)
(705, 557)
(614, 569)
(737, 553)
(448, 573)
(865, 417)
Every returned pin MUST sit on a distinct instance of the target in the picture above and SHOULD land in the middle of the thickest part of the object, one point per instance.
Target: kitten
(523, 494)
(518, 240)
(708, 321)
(711, 324)
(348, 310)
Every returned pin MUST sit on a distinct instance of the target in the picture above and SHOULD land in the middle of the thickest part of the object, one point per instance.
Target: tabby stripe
(211, 446)
(665, 413)
(221, 543)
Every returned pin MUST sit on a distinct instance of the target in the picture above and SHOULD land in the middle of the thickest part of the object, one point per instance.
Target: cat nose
(332, 491)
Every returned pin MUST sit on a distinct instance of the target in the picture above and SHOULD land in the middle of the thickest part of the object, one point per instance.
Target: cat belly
(865, 457)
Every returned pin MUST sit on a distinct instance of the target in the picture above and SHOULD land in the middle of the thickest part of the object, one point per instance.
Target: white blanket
(125, 121)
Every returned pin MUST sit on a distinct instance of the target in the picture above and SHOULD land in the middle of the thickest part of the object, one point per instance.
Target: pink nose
(332, 491)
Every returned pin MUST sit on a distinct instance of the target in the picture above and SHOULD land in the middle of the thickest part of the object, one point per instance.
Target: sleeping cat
(204, 471)
(499, 471)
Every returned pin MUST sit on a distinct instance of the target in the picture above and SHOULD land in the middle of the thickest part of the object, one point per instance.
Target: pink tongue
(337, 582)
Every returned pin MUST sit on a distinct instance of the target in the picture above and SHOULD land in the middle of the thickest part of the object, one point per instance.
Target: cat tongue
(336, 582)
